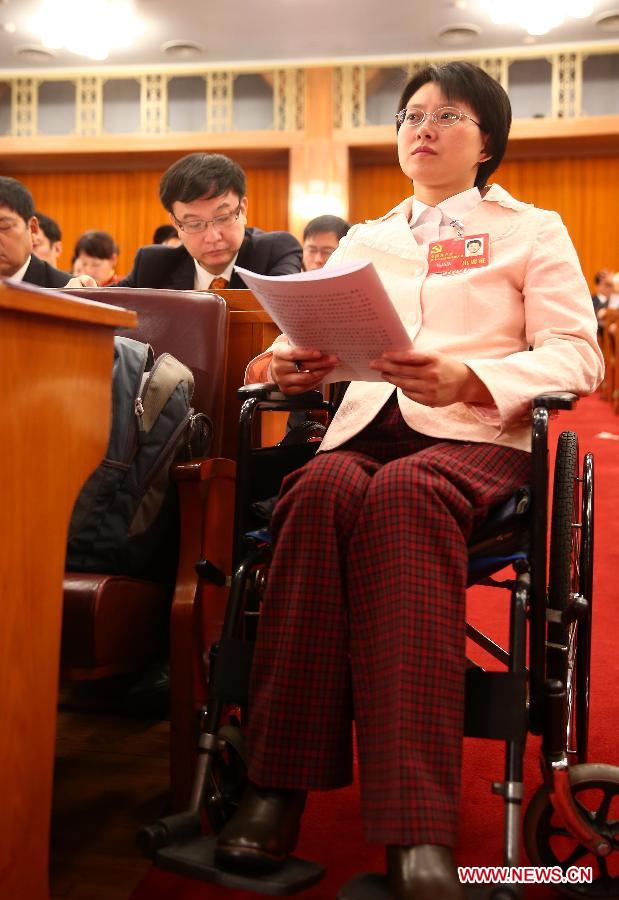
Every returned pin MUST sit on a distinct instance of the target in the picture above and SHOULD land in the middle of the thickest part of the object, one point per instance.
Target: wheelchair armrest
(272, 395)
(555, 400)
(259, 390)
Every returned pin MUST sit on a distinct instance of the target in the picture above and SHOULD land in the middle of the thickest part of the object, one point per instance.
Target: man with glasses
(19, 230)
(205, 195)
(321, 237)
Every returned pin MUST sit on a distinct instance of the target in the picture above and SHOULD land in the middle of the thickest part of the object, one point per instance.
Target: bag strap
(161, 384)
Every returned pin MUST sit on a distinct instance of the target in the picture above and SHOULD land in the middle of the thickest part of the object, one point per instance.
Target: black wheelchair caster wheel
(227, 778)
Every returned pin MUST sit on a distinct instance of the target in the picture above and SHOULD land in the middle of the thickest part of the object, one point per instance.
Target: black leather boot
(424, 872)
(263, 831)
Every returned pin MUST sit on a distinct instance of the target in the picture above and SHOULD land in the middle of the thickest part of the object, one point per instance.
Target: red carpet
(331, 830)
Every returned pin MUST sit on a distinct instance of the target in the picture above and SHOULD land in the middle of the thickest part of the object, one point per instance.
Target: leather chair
(114, 624)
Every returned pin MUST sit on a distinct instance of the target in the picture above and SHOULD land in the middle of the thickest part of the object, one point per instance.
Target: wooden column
(320, 162)
(56, 360)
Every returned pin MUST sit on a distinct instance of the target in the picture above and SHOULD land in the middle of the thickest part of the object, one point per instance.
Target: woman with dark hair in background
(365, 601)
(96, 254)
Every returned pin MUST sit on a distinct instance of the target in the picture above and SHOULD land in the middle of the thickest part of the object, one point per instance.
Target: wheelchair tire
(586, 590)
(227, 778)
(549, 843)
(567, 653)
(564, 538)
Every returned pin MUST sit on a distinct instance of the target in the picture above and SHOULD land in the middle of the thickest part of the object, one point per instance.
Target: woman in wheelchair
(365, 604)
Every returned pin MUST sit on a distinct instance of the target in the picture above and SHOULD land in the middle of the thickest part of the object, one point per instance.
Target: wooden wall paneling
(583, 189)
(375, 189)
(267, 191)
(585, 193)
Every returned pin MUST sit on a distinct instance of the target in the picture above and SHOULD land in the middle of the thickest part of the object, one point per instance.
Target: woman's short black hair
(201, 175)
(482, 93)
(99, 244)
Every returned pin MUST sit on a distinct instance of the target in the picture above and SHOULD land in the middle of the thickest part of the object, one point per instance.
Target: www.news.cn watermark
(525, 875)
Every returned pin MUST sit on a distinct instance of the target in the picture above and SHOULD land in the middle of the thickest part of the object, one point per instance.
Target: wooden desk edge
(26, 298)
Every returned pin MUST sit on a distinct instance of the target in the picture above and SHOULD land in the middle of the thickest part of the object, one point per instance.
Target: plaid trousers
(366, 590)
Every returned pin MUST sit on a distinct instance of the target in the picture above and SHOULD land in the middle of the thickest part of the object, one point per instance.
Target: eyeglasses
(445, 116)
(195, 226)
(312, 250)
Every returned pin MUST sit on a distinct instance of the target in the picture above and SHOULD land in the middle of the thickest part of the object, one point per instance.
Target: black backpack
(125, 520)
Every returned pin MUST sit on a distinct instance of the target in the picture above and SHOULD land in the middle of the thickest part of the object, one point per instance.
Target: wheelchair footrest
(195, 858)
(374, 887)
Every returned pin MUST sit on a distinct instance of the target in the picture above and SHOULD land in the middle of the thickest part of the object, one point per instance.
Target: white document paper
(342, 310)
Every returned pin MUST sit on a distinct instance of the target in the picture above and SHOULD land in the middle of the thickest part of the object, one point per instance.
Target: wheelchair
(542, 687)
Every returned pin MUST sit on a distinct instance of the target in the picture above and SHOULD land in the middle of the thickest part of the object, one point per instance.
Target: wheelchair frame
(550, 697)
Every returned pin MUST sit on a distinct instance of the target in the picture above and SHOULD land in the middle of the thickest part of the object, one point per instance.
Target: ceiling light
(534, 16)
(110, 25)
(458, 34)
(182, 49)
(608, 21)
(35, 53)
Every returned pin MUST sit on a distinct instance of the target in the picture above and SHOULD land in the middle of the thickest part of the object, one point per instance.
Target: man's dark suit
(599, 302)
(41, 273)
(264, 252)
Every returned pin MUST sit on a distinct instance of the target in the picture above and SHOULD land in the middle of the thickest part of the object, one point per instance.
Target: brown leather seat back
(191, 325)
(114, 624)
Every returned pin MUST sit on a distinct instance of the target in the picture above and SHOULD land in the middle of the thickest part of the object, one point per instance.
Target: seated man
(320, 239)
(603, 290)
(205, 195)
(19, 229)
(167, 235)
(47, 243)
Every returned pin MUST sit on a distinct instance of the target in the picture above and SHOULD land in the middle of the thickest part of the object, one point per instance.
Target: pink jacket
(532, 294)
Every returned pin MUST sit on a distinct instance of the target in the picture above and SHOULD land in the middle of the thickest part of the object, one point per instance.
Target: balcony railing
(550, 83)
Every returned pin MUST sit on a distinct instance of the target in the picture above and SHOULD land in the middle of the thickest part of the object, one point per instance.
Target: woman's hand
(432, 378)
(296, 370)
(81, 281)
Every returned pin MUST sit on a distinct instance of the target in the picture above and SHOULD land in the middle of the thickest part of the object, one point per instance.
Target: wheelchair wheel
(549, 843)
(583, 668)
(567, 653)
(227, 778)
